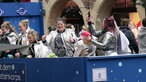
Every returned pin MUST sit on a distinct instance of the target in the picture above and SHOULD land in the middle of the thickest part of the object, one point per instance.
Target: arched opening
(69, 10)
(73, 15)
(125, 9)
(56, 10)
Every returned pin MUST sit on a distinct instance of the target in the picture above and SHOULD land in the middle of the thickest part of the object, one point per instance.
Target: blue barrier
(15, 12)
(129, 68)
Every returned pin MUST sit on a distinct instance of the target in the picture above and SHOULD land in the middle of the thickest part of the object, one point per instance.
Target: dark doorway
(122, 8)
(73, 16)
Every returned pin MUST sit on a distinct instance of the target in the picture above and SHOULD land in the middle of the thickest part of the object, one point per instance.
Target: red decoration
(138, 24)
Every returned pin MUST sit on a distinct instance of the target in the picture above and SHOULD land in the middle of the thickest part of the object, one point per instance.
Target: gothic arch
(57, 8)
(54, 8)
(102, 9)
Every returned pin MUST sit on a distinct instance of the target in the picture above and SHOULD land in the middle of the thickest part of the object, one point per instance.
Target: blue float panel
(129, 68)
(43, 70)
(13, 9)
(15, 12)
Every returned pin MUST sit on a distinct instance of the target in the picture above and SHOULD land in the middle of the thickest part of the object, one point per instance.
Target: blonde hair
(34, 34)
(125, 22)
(8, 26)
(25, 22)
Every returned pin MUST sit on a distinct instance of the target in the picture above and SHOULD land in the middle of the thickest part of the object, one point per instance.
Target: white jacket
(81, 46)
(41, 51)
(12, 38)
(65, 38)
(23, 38)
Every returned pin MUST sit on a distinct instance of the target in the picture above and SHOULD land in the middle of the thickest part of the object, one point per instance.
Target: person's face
(31, 39)
(4, 30)
(131, 25)
(60, 26)
(22, 28)
(86, 39)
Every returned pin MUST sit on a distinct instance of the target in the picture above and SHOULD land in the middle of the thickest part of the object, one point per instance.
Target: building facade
(75, 11)
(99, 10)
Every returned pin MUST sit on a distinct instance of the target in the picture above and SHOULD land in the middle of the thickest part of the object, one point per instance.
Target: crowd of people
(62, 41)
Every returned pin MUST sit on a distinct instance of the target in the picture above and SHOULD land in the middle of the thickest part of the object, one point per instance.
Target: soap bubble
(120, 64)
